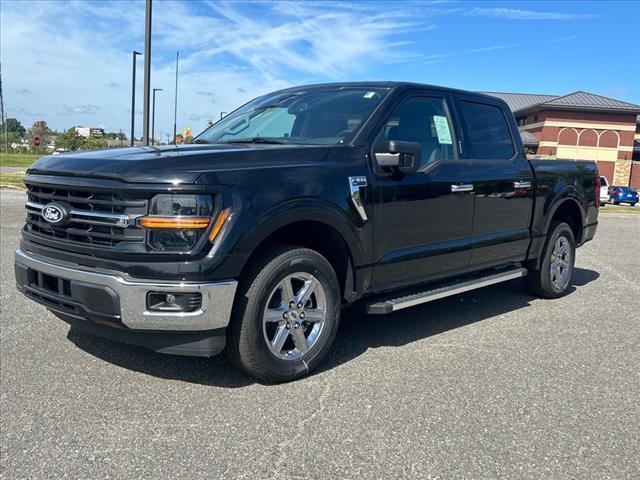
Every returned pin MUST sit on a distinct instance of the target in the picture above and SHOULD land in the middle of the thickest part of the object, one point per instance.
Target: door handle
(465, 187)
(522, 184)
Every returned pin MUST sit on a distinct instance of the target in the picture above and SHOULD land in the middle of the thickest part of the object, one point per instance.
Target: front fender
(305, 209)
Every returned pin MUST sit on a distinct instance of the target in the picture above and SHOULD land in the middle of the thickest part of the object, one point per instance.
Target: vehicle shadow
(358, 332)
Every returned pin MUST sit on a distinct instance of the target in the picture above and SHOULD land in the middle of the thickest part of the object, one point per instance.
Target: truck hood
(170, 164)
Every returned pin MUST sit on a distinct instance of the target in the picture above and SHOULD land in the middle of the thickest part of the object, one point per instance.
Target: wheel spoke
(279, 338)
(299, 339)
(286, 291)
(314, 315)
(304, 294)
(554, 273)
(563, 248)
(275, 314)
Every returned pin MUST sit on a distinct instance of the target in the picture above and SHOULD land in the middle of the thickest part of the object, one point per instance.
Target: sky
(69, 63)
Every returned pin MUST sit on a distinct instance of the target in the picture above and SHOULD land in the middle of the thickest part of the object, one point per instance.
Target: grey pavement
(13, 169)
(490, 384)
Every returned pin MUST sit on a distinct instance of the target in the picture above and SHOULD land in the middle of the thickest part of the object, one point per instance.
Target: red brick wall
(568, 136)
(635, 174)
(608, 139)
(626, 138)
(591, 117)
(588, 138)
(606, 169)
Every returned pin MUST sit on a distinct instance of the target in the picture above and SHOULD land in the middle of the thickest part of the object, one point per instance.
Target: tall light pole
(153, 117)
(133, 97)
(147, 73)
(3, 117)
(175, 102)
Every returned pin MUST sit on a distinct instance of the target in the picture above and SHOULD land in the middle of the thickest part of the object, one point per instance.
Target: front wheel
(559, 254)
(285, 316)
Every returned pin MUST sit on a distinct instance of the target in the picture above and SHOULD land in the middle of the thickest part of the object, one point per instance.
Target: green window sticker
(442, 129)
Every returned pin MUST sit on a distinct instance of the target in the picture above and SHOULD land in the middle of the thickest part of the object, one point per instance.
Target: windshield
(319, 117)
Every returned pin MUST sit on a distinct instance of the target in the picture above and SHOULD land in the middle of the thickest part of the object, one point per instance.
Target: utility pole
(153, 117)
(175, 102)
(133, 97)
(147, 73)
(3, 118)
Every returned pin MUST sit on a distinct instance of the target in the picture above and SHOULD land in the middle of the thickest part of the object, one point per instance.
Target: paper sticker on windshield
(442, 129)
(369, 94)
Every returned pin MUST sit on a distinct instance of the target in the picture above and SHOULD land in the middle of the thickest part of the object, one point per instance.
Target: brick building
(583, 126)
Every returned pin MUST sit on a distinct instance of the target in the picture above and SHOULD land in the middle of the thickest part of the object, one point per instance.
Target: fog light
(173, 302)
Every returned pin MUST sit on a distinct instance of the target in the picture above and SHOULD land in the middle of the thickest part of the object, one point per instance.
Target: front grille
(97, 219)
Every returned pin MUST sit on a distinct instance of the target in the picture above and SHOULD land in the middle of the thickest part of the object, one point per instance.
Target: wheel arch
(312, 224)
(567, 210)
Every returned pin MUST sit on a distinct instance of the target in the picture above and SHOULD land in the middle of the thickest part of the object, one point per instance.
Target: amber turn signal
(220, 221)
(186, 223)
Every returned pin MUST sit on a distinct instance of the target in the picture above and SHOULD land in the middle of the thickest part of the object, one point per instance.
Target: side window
(422, 120)
(487, 135)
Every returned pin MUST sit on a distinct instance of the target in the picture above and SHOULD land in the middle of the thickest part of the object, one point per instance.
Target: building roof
(523, 102)
(529, 139)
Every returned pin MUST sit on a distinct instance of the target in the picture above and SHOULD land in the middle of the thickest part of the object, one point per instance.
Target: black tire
(632, 204)
(539, 282)
(616, 203)
(246, 343)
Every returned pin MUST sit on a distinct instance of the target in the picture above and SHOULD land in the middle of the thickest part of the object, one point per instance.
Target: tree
(14, 126)
(69, 140)
(93, 143)
(40, 129)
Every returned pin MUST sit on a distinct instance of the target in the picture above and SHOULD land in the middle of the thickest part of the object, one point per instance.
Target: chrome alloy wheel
(294, 316)
(560, 266)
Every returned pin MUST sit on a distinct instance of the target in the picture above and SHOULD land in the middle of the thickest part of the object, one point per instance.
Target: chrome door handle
(466, 187)
(522, 184)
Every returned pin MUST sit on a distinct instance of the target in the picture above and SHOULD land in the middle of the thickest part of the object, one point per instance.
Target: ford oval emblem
(53, 213)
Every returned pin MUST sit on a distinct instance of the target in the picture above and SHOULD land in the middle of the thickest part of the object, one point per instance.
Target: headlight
(176, 221)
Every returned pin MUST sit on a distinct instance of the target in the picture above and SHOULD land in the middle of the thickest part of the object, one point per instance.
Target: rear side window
(603, 182)
(487, 136)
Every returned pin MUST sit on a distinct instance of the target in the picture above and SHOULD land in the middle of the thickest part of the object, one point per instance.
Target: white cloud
(517, 14)
(495, 47)
(76, 57)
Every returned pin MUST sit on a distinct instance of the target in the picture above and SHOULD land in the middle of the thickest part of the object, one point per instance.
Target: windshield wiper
(199, 140)
(257, 140)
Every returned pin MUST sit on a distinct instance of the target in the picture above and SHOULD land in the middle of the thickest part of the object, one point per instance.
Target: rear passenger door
(502, 183)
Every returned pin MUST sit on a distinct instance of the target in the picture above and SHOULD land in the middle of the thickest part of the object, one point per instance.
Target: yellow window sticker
(442, 129)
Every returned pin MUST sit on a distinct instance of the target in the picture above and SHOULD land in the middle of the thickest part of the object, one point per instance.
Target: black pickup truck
(254, 237)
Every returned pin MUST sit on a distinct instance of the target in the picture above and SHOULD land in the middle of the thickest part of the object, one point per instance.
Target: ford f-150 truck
(254, 237)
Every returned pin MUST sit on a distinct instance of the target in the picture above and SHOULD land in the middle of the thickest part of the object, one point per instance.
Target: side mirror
(404, 156)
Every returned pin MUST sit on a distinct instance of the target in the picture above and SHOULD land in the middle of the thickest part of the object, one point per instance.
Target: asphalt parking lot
(490, 384)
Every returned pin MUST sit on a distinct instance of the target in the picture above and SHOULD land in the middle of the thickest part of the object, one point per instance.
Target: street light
(133, 96)
(153, 117)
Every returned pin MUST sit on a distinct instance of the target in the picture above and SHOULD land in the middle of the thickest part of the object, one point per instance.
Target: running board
(394, 304)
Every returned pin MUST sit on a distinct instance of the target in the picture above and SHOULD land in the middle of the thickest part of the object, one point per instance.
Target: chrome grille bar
(92, 218)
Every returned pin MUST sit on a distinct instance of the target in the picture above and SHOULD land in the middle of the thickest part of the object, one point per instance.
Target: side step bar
(394, 304)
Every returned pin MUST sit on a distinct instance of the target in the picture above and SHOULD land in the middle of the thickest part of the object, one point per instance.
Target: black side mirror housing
(405, 156)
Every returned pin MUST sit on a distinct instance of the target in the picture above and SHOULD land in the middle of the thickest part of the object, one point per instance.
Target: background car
(604, 190)
(624, 195)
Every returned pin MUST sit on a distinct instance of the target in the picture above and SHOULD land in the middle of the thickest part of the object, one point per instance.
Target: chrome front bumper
(214, 313)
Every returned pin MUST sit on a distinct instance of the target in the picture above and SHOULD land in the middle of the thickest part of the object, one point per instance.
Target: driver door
(422, 222)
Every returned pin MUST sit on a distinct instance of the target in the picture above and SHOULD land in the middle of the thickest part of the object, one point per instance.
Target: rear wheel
(554, 277)
(286, 315)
